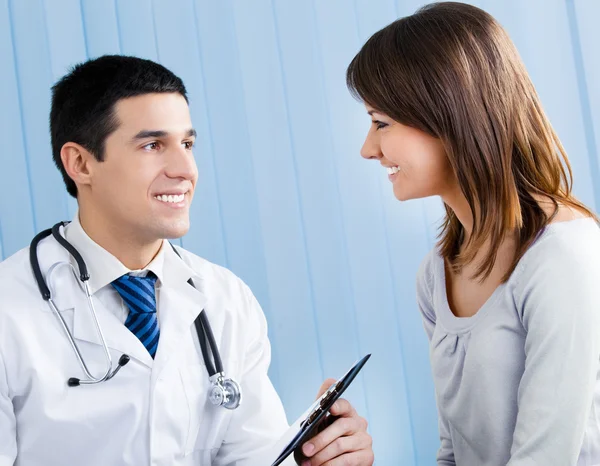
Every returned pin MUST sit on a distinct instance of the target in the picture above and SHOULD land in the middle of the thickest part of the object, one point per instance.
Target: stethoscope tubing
(206, 337)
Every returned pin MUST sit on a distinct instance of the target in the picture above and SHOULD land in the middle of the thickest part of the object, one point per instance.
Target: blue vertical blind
(284, 200)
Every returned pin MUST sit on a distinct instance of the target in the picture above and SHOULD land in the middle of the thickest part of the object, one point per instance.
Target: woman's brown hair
(451, 71)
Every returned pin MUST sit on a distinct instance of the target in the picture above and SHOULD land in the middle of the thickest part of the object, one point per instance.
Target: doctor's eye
(188, 144)
(152, 146)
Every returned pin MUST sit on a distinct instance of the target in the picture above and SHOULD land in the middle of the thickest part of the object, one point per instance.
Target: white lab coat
(152, 412)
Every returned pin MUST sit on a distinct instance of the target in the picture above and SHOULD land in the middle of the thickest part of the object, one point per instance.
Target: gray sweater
(518, 383)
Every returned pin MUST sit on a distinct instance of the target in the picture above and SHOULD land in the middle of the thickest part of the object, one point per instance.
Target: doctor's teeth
(174, 199)
(393, 170)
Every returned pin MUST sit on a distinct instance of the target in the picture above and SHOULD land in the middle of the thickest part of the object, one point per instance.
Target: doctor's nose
(182, 164)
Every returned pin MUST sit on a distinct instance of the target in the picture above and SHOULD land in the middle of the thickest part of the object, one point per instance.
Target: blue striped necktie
(139, 295)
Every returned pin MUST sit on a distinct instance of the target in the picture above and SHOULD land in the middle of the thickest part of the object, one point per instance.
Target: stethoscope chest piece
(224, 392)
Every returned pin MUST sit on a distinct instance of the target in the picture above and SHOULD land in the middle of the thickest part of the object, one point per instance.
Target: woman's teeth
(393, 170)
(176, 199)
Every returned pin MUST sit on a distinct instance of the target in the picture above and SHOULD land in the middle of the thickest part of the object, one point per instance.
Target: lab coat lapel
(117, 336)
(179, 304)
(68, 294)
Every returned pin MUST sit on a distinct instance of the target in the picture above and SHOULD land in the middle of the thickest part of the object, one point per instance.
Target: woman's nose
(370, 148)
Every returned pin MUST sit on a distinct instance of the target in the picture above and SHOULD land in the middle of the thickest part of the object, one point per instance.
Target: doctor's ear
(77, 161)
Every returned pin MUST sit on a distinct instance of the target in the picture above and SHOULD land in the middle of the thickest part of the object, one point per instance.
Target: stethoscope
(224, 391)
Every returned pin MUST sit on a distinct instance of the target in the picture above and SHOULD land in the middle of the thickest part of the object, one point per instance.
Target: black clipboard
(319, 414)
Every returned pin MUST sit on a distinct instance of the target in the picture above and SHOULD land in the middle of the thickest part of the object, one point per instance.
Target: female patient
(509, 296)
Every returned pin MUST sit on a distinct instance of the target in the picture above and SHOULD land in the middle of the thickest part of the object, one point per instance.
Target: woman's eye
(379, 124)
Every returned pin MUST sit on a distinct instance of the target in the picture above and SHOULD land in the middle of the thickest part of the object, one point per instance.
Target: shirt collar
(102, 266)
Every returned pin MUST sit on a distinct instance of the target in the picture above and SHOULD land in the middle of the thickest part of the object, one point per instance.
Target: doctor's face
(416, 162)
(145, 184)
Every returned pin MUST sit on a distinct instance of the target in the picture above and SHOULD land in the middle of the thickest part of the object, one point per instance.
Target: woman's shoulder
(567, 244)
(560, 271)
(574, 236)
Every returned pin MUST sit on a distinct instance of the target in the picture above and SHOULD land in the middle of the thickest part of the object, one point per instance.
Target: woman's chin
(403, 195)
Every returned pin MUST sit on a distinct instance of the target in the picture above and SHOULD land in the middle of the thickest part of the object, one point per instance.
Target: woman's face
(416, 162)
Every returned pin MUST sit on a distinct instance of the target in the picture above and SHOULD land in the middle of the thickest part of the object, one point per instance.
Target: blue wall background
(284, 199)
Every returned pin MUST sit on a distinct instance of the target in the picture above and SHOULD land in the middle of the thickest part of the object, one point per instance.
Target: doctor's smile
(175, 199)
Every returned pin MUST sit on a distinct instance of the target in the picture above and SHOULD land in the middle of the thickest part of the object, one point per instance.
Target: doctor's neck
(133, 251)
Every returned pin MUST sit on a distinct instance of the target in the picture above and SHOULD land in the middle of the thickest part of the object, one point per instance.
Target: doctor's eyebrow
(145, 134)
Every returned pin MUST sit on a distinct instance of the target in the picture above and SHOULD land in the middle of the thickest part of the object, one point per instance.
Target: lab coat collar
(68, 294)
(102, 266)
(179, 305)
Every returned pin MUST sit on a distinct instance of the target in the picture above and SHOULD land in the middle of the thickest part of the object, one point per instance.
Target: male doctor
(122, 138)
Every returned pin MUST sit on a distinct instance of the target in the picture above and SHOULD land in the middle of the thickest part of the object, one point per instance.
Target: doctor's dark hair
(83, 101)
(451, 71)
